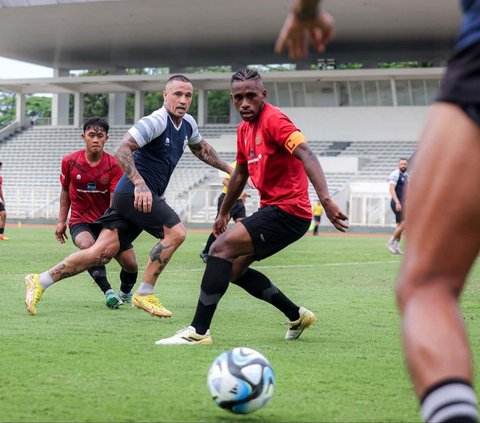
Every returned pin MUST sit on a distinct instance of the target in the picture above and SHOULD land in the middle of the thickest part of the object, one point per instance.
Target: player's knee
(104, 252)
(84, 244)
(176, 235)
(223, 247)
(216, 248)
(129, 263)
(417, 284)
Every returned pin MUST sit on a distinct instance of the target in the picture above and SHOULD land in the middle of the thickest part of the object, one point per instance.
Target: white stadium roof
(118, 34)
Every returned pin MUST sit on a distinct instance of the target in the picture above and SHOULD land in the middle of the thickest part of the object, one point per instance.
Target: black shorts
(161, 215)
(461, 84)
(238, 210)
(272, 229)
(2, 207)
(398, 215)
(94, 230)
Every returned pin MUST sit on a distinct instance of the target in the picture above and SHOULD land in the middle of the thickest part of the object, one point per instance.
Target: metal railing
(199, 206)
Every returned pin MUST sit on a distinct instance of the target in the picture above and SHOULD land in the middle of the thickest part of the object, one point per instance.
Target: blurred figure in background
(3, 212)
(398, 181)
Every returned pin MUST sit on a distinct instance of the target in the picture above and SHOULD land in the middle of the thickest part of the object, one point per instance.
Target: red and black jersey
(279, 176)
(89, 186)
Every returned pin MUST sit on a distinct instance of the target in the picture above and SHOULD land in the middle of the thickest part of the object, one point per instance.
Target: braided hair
(246, 74)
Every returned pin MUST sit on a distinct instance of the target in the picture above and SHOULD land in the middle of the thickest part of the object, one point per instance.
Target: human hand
(296, 34)
(336, 216)
(61, 232)
(143, 198)
(220, 224)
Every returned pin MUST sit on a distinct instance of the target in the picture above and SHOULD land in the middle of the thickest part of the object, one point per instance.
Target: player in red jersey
(3, 213)
(275, 154)
(88, 179)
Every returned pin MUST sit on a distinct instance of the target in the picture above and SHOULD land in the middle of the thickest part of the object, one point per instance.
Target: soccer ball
(241, 380)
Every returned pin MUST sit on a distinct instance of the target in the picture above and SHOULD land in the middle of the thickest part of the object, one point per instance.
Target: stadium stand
(31, 161)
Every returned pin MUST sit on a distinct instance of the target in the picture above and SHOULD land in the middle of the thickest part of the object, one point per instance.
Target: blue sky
(12, 69)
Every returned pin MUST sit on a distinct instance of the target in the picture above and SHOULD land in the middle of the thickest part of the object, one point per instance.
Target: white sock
(145, 289)
(450, 401)
(46, 280)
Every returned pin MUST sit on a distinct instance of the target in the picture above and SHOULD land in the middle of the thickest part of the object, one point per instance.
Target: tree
(35, 107)
(7, 108)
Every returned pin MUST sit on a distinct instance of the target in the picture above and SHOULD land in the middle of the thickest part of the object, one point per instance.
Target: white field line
(282, 266)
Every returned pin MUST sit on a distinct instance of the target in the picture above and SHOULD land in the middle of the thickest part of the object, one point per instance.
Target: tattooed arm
(124, 156)
(206, 153)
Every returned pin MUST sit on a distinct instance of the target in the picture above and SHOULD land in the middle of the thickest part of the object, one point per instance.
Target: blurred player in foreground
(443, 236)
(443, 227)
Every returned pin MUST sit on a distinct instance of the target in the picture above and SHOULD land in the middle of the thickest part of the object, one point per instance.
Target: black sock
(99, 275)
(127, 281)
(258, 285)
(1, 231)
(214, 285)
(452, 400)
(211, 239)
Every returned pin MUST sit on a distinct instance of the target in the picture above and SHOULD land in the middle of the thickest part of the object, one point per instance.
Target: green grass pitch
(78, 361)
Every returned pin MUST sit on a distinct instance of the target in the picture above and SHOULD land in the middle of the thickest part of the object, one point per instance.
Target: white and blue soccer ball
(241, 380)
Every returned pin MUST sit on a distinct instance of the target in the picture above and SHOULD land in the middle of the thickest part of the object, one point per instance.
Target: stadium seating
(31, 164)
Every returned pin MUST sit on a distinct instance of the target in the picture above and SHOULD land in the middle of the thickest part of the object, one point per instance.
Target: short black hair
(96, 122)
(179, 77)
(246, 74)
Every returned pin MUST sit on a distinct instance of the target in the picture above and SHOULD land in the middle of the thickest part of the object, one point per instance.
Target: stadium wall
(359, 123)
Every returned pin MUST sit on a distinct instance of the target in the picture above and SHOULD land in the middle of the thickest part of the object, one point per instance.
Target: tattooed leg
(100, 253)
(162, 252)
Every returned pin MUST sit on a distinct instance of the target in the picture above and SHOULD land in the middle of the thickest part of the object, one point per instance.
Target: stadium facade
(338, 107)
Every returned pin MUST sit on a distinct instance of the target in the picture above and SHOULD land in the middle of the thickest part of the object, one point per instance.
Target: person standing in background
(3, 212)
(398, 181)
(317, 211)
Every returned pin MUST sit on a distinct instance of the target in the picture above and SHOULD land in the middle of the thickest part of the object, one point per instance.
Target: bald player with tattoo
(148, 154)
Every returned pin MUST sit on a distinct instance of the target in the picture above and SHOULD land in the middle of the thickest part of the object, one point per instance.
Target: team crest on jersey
(79, 177)
(258, 140)
(104, 180)
(167, 142)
